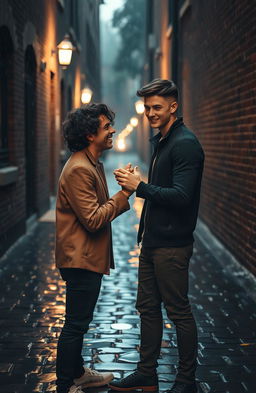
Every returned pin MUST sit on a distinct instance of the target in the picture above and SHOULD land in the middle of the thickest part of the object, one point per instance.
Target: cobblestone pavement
(32, 308)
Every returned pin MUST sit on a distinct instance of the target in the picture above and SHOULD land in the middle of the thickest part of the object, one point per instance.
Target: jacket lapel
(100, 171)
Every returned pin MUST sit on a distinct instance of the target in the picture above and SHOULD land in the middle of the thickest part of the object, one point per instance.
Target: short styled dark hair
(159, 87)
(82, 122)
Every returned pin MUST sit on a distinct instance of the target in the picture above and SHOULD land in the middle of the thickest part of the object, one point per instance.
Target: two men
(84, 247)
(166, 232)
(84, 252)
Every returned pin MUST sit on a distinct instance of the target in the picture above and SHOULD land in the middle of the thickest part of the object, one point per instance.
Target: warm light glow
(139, 106)
(129, 127)
(134, 121)
(86, 95)
(121, 326)
(65, 49)
(124, 134)
(77, 89)
(121, 145)
(65, 56)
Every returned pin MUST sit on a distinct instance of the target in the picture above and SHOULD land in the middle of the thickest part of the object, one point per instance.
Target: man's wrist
(126, 193)
(140, 187)
(138, 184)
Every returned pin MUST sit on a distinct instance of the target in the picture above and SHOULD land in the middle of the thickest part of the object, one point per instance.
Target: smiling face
(160, 111)
(103, 140)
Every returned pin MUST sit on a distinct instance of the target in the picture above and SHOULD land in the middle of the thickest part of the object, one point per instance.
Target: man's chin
(154, 125)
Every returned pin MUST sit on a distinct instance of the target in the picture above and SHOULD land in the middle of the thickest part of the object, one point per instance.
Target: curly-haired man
(84, 252)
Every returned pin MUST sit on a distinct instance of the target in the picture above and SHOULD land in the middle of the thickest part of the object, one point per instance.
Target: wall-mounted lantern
(139, 106)
(86, 95)
(65, 49)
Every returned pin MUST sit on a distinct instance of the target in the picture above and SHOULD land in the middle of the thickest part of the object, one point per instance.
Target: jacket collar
(99, 168)
(155, 139)
(90, 157)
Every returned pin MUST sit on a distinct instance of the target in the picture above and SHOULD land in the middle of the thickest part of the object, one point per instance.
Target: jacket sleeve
(80, 192)
(187, 163)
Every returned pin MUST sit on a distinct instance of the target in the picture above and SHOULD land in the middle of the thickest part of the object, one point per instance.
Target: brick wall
(30, 24)
(218, 81)
(42, 25)
(12, 197)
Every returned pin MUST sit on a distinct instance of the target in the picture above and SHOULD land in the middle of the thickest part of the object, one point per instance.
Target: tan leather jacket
(83, 215)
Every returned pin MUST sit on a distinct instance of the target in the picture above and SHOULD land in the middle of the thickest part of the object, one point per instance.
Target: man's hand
(127, 180)
(129, 167)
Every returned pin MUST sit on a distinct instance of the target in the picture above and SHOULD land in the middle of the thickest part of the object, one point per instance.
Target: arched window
(6, 81)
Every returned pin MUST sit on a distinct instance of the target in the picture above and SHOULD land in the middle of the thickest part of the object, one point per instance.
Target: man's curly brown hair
(82, 122)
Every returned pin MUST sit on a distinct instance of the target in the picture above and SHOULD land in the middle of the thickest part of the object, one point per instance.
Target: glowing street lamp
(139, 106)
(86, 95)
(65, 49)
(134, 121)
(121, 145)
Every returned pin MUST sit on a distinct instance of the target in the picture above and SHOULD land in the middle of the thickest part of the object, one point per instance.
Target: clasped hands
(128, 178)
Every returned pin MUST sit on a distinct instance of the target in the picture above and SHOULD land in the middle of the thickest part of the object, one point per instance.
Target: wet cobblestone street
(32, 313)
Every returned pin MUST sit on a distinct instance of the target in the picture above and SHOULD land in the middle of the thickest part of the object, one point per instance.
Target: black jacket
(173, 191)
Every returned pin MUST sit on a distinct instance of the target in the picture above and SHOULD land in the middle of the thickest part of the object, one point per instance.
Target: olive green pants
(163, 278)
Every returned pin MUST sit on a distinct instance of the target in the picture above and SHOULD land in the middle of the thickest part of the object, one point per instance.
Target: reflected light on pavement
(121, 326)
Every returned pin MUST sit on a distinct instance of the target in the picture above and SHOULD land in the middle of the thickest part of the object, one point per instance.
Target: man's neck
(164, 130)
(95, 153)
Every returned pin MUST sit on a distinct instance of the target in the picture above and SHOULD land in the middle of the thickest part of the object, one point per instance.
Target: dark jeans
(83, 287)
(163, 277)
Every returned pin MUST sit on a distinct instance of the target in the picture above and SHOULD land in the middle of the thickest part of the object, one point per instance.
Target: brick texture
(218, 81)
(42, 25)
(13, 197)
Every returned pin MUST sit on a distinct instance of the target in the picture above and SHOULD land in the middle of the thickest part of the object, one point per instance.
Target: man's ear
(90, 138)
(174, 107)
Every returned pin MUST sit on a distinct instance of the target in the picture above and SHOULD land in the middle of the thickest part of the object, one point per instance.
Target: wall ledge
(8, 175)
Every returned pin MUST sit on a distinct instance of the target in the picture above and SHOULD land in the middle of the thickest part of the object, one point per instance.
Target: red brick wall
(218, 80)
(21, 16)
(42, 25)
(12, 197)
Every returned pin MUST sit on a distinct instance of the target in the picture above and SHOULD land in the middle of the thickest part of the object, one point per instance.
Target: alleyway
(32, 308)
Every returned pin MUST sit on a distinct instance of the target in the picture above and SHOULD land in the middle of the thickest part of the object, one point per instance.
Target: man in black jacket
(166, 231)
